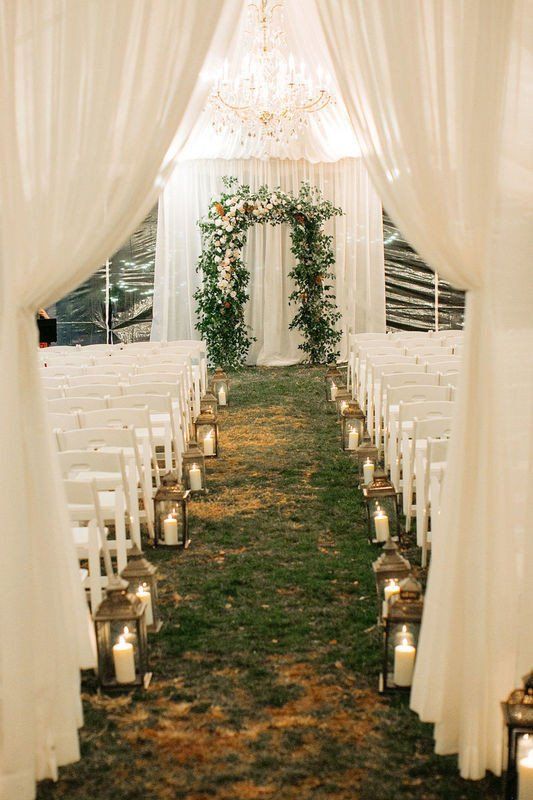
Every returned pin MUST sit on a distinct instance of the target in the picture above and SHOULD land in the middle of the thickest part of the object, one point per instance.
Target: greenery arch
(223, 294)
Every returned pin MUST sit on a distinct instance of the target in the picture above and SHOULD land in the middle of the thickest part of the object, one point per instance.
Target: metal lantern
(352, 426)
(220, 387)
(366, 457)
(333, 381)
(389, 571)
(518, 717)
(209, 403)
(141, 577)
(120, 625)
(383, 517)
(206, 434)
(171, 513)
(400, 637)
(193, 469)
(342, 400)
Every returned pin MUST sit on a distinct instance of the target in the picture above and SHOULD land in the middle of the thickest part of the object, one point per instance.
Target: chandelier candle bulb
(143, 593)
(353, 439)
(525, 776)
(404, 663)
(381, 524)
(195, 478)
(170, 530)
(124, 661)
(368, 471)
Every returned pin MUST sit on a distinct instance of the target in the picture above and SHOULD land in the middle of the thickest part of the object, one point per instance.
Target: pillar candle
(353, 439)
(391, 588)
(381, 523)
(368, 471)
(334, 391)
(124, 661)
(525, 776)
(209, 448)
(222, 399)
(404, 663)
(144, 594)
(195, 478)
(170, 530)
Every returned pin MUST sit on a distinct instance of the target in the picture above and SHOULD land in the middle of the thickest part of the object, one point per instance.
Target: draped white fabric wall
(445, 127)
(91, 96)
(358, 245)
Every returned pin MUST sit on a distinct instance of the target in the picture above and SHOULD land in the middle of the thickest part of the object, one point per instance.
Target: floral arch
(223, 294)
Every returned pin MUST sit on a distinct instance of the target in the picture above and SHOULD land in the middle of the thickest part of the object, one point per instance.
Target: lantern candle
(222, 399)
(381, 524)
(404, 663)
(170, 530)
(525, 776)
(404, 635)
(368, 471)
(128, 635)
(391, 588)
(124, 661)
(195, 478)
(209, 444)
(334, 391)
(143, 593)
(353, 439)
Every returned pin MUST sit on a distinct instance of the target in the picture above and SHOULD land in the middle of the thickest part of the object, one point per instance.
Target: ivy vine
(222, 297)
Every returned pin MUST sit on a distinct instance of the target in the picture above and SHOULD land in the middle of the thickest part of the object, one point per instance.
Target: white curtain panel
(92, 93)
(358, 246)
(440, 94)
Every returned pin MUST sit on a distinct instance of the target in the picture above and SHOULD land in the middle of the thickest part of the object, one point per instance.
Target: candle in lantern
(404, 663)
(334, 391)
(344, 406)
(195, 478)
(209, 448)
(368, 471)
(381, 524)
(128, 635)
(525, 772)
(144, 594)
(353, 439)
(124, 661)
(170, 530)
(392, 587)
(222, 398)
(404, 635)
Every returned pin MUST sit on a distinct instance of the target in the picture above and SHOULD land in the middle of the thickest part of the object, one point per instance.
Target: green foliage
(222, 297)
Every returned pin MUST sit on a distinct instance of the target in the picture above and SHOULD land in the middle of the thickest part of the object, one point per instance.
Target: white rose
(218, 222)
(269, 205)
(233, 294)
(217, 259)
(256, 212)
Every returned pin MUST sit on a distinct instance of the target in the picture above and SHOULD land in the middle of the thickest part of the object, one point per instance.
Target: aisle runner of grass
(266, 668)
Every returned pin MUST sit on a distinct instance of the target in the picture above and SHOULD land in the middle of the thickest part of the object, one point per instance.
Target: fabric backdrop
(358, 246)
(92, 93)
(440, 95)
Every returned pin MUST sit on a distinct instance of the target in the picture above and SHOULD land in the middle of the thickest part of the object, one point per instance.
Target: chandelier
(270, 98)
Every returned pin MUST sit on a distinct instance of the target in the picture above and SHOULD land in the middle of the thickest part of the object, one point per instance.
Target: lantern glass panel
(207, 437)
(194, 475)
(352, 429)
(383, 518)
(402, 617)
(367, 463)
(389, 570)
(220, 387)
(142, 581)
(333, 381)
(342, 401)
(172, 522)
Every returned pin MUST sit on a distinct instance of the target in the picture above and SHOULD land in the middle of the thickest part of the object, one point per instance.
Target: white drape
(91, 95)
(358, 246)
(440, 95)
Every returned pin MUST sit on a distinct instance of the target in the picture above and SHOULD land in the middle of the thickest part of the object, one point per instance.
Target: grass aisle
(266, 668)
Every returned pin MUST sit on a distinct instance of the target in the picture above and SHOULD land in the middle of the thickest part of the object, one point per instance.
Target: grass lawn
(265, 673)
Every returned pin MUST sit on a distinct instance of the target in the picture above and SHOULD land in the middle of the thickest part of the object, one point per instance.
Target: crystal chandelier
(270, 98)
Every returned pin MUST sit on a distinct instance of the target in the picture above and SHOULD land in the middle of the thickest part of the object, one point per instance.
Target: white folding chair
(427, 498)
(94, 390)
(401, 427)
(374, 364)
(69, 405)
(414, 468)
(449, 379)
(63, 421)
(391, 379)
(53, 392)
(175, 392)
(62, 370)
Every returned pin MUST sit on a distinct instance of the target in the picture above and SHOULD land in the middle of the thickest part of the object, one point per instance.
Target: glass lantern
(220, 387)
(171, 513)
(122, 643)
(333, 381)
(518, 717)
(400, 637)
(366, 457)
(343, 398)
(383, 517)
(141, 577)
(389, 571)
(352, 426)
(206, 434)
(193, 469)
(209, 403)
